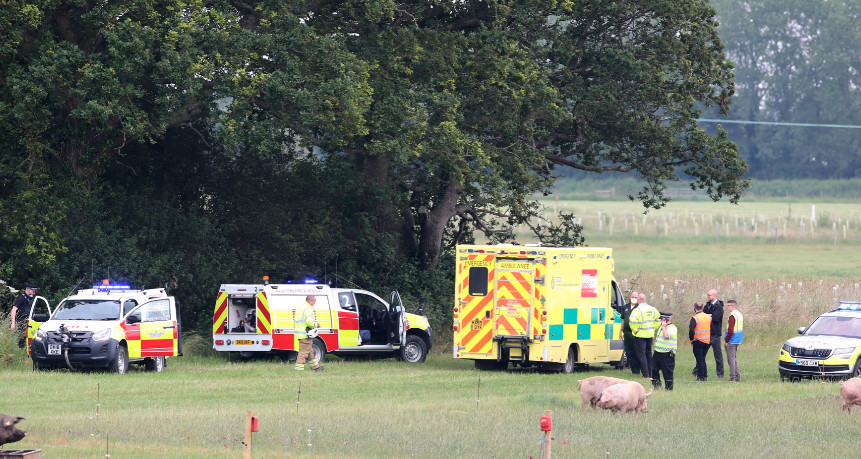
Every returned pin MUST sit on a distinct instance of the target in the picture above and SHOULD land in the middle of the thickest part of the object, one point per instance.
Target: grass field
(444, 408)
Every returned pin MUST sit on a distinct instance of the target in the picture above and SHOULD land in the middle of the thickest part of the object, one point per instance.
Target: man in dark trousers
(699, 333)
(714, 308)
(628, 336)
(664, 358)
(21, 313)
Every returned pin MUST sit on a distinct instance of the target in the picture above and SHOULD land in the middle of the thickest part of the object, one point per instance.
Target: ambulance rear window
(478, 281)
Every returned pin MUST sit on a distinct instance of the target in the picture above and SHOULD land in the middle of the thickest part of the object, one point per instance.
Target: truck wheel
(155, 364)
(121, 362)
(318, 349)
(414, 351)
(568, 366)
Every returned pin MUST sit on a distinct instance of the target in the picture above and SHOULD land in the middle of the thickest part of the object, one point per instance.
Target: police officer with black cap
(21, 313)
(664, 358)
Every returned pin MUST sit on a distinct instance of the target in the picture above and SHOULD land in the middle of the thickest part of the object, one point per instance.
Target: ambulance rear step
(513, 342)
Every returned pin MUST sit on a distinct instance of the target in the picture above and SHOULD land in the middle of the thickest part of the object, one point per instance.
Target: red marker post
(547, 427)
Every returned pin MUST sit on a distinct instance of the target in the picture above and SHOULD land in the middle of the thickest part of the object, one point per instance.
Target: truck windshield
(88, 310)
(836, 326)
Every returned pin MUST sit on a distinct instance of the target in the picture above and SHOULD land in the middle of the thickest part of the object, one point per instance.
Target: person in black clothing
(714, 307)
(628, 336)
(21, 313)
(699, 347)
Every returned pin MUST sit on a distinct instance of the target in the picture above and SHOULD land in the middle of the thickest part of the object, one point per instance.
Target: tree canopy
(198, 142)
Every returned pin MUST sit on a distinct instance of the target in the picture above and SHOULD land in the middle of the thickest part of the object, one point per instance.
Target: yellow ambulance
(554, 307)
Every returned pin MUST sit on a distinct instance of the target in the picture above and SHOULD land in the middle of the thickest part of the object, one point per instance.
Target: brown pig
(591, 388)
(850, 390)
(628, 396)
(8, 432)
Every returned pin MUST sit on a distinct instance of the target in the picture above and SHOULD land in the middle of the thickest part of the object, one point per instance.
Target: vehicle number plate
(808, 363)
(243, 341)
(53, 349)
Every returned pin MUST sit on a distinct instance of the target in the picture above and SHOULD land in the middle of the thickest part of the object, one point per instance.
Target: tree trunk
(433, 227)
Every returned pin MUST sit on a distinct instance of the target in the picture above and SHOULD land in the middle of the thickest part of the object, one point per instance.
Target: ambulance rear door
(515, 293)
(473, 307)
(39, 313)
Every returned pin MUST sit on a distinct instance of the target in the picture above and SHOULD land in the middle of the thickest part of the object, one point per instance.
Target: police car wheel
(155, 364)
(121, 362)
(856, 370)
(414, 350)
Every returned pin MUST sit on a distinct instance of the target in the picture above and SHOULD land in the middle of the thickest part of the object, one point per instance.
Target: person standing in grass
(20, 313)
(305, 320)
(714, 308)
(699, 332)
(627, 336)
(664, 359)
(734, 336)
(644, 320)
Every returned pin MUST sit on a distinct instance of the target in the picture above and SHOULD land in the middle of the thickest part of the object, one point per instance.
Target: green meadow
(442, 408)
(782, 279)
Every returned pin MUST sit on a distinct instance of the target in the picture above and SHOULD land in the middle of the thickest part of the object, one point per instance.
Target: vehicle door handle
(170, 326)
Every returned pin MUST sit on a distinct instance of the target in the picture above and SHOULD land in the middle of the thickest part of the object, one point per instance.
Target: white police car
(830, 346)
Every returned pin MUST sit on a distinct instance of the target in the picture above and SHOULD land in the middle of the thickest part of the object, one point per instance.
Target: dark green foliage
(191, 144)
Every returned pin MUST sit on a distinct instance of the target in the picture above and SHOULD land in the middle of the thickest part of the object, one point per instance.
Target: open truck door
(39, 314)
(397, 317)
(152, 329)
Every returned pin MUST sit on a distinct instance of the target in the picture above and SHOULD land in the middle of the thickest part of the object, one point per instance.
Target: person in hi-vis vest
(700, 336)
(664, 359)
(734, 336)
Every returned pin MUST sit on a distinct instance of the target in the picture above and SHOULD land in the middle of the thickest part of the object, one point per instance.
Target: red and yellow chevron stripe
(264, 317)
(514, 295)
(220, 313)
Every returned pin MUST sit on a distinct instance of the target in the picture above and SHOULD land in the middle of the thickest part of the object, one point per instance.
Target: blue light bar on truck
(110, 287)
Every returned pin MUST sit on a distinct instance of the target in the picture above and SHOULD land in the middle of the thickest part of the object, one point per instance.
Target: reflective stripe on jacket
(304, 320)
(667, 344)
(643, 320)
(703, 328)
(738, 328)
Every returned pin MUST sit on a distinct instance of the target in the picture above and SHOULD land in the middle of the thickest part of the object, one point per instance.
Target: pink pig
(850, 390)
(628, 396)
(591, 388)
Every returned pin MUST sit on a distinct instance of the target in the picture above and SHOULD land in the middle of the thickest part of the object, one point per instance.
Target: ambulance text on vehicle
(258, 318)
(107, 326)
(555, 307)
